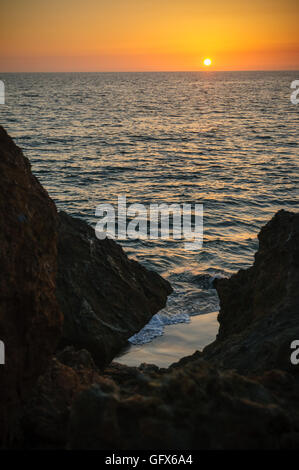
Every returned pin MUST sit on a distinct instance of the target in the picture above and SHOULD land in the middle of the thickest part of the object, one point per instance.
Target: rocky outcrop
(192, 407)
(259, 307)
(30, 319)
(105, 297)
(198, 403)
(241, 392)
(195, 406)
(45, 417)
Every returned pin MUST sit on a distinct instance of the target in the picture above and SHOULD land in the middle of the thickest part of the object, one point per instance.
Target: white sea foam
(156, 325)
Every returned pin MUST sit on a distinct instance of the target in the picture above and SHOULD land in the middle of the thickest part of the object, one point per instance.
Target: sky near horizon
(148, 35)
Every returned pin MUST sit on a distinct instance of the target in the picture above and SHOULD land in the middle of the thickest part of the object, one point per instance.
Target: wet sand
(177, 341)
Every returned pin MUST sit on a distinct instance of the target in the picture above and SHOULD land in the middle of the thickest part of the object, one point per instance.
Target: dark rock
(30, 319)
(105, 297)
(259, 307)
(46, 415)
(193, 407)
(199, 402)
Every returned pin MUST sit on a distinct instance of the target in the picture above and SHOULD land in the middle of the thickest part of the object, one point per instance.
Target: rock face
(241, 392)
(46, 415)
(195, 406)
(183, 408)
(198, 403)
(105, 297)
(259, 307)
(30, 319)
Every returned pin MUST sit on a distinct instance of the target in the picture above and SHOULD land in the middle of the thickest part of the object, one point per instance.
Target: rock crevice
(240, 392)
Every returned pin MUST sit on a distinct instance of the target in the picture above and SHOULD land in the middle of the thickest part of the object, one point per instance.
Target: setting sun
(207, 62)
(143, 35)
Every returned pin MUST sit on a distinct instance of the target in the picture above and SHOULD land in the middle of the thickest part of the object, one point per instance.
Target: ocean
(227, 140)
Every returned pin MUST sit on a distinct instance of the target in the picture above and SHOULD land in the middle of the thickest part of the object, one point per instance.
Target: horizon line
(153, 71)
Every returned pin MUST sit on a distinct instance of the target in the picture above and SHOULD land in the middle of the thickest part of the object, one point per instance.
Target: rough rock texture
(46, 415)
(30, 319)
(195, 406)
(105, 297)
(259, 307)
(190, 407)
(199, 403)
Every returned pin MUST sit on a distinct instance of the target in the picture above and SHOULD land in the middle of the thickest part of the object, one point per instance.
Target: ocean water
(226, 140)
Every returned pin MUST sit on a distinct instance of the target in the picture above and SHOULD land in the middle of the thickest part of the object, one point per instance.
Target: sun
(207, 62)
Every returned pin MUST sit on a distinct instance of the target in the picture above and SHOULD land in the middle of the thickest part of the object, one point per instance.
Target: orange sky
(116, 35)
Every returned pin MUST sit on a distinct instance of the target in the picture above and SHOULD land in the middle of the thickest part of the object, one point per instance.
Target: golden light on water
(207, 62)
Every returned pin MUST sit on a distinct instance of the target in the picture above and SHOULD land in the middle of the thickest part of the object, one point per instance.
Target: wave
(156, 325)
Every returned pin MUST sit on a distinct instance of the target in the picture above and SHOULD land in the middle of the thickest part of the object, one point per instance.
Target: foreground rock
(105, 297)
(195, 406)
(46, 415)
(190, 407)
(30, 320)
(198, 403)
(259, 314)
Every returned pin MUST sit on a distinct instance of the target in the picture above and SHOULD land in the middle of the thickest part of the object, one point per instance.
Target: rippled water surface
(227, 140)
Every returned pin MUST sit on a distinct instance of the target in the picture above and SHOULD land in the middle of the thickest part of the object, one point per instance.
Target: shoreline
(178, 340)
